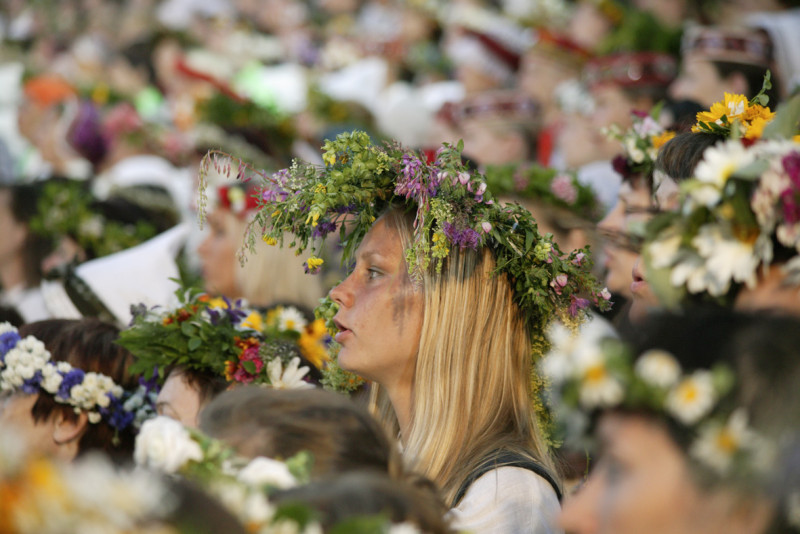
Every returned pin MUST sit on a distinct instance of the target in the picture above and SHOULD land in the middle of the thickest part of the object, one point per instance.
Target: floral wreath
(736, 116)
(65, 208)
(453, 207)
(224, 338)
(599, 373)
(553, 187)
(243, 485)
(740, 209)
(25, 365)
(640, 143)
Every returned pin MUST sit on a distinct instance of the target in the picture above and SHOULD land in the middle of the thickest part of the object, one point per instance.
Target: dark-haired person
(66, 388)
(687, 421)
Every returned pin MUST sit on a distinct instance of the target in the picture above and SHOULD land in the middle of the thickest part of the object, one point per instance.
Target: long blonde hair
(472, 392)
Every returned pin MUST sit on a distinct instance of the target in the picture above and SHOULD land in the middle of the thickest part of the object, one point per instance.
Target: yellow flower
(661, 139)
(796, 138)
(756, 128)
(320, 188)
(254, 321)
(275, 213)
(312, 218)
(734, 106)
(100, 94)
(758, 111)
(315, 263)
(269, 240)
(218, 302)
(329, 158)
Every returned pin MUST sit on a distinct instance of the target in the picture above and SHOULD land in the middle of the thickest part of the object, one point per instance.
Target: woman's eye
(372, 273)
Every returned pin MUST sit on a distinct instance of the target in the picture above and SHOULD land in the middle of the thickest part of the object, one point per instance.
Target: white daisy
(663, 252)
(727, 259)
(719, 163)
(718, 444)
(597, 386)
(692, 398)
(290, 378)
(290, 318)
(658, 367)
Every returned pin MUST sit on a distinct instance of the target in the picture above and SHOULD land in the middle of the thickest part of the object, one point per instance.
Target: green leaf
(188, 329)
(785, 124)
(249, 366)
(194, 343)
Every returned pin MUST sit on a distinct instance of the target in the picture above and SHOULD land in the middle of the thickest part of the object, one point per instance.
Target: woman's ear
(67, 432)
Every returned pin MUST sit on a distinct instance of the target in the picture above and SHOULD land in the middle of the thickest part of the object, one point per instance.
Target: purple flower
(791, 164)
(463, 238)
(271, 196)
(345, 209)
(8, 340)
(576, 304)
(31, 385)
(323, 228)
(620, 164)
(791, 208)
(70, 379)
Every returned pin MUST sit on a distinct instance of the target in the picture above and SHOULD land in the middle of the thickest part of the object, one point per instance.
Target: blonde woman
(269, 276)
(446, 303)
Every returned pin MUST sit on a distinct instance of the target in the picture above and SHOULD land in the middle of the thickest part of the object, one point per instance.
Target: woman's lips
(343, 332)
(639, 283)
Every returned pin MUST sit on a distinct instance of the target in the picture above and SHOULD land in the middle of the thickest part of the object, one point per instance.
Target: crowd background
(112, 113)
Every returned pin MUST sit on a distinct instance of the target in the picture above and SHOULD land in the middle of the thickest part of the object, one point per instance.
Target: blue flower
(8, 340)
(31, 385)
(69, 380)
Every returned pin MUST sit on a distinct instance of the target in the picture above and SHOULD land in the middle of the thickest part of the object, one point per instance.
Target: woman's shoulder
(508, 499)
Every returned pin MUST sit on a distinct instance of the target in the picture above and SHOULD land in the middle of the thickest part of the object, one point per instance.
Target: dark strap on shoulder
(505, 459)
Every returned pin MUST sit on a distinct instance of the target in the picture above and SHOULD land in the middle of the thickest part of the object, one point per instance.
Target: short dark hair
(753, 75)
(87, 344)
(680, 155)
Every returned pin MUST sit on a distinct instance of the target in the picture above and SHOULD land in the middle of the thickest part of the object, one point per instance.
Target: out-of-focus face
(218, 255)
(489, 141)
(700, 82)
(13, 232)
(179, 400)
(612, 106)
(642, 483)
(380, 311)
(588, 26)
(631, 209)
(772, 292)
(16, 418)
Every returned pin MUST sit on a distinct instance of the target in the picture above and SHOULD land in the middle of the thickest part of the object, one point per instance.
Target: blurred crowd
(617, 124)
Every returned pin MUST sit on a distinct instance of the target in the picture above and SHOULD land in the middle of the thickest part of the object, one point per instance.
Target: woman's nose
(342, 294)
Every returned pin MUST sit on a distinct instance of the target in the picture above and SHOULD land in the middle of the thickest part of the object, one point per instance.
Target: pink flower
(487, 227)
(562, 188)
(579, 257)
(605, 294)
(576, 304)
(559, 282)
(249, 355)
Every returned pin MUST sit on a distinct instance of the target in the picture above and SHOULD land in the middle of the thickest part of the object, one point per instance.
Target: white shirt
(508, 500)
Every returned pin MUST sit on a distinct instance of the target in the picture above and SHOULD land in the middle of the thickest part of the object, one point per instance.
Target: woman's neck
(12, 273)
(400, 397)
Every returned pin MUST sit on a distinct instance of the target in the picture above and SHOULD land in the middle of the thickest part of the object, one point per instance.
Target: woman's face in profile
(641, 482)
(179, 399)
(380, 311)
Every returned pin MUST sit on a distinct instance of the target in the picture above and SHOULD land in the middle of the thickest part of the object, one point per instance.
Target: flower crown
(559, 189)
(595, 373)
(65, 208)
(453, 208)
(640, 143)
(221, 337)
(742, 205)
(737, 117)
(25, 365)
